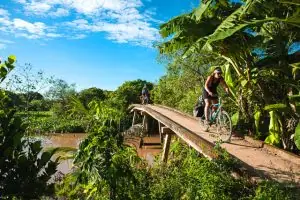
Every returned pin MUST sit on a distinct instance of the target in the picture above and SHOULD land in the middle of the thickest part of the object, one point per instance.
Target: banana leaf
(257, 117)
(228, 76)
(235, 22)
(295, 2)
(295, 98)
(275, 129)
(235, 118)
(280, 107)
(201, 9)
(297, 136)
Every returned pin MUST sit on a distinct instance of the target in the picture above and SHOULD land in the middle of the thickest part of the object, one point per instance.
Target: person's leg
(206, 113)
(206, 108)
(143, 97)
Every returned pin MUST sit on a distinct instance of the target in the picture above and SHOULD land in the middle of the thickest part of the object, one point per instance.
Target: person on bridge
(210, 93)
(145, 95)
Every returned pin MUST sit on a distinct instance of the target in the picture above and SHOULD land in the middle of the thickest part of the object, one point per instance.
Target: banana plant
(236, 35)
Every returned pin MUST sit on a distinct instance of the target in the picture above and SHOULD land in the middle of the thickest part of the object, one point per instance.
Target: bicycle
(221, 119)
(144, 100)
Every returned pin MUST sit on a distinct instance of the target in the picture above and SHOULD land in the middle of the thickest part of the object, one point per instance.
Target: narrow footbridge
(256, 159)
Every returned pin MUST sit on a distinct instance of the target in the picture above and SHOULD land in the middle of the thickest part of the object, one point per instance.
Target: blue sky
(93, 43)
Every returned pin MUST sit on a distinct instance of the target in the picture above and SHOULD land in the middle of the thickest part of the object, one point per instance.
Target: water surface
(64, 140)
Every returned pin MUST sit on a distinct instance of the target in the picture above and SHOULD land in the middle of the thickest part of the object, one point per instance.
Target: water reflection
(64, 140)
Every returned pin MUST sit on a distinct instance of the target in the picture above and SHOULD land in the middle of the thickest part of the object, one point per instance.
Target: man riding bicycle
(145, 95)
(210, 93)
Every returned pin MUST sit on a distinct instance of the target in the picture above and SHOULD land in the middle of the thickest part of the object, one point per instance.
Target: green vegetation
(113, 171)
(24, 169)
(256, 43)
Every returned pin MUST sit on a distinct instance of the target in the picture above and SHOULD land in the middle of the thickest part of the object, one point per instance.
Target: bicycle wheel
(224, 126)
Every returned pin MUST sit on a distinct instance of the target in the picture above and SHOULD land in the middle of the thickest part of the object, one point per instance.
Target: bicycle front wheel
(224, 126)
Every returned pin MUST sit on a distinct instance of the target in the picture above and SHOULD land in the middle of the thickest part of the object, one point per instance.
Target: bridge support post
(168, 132)
(160, 125)
(134, 117)
(145, 123)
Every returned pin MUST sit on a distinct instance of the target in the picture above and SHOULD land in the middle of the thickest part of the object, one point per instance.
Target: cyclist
(145, 95)
(210, 93)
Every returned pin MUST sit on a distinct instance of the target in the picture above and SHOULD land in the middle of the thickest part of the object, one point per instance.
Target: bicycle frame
(215, 113)
(221, 119)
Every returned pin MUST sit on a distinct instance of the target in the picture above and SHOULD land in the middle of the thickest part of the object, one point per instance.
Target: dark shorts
(207, 96)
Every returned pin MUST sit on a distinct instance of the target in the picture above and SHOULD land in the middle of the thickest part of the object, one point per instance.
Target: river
(64, 140)
(148, 150)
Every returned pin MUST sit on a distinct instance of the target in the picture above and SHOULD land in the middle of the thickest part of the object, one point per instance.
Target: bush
(276, 191)
(46, 122)
(38, 105)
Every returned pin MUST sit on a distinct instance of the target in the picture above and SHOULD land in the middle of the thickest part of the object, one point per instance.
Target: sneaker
(206, 126)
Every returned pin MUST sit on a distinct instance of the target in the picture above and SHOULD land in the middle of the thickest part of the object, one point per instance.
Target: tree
(130, 91)
(28, 83)
(39, 105)
(60, 92)
(90, 94)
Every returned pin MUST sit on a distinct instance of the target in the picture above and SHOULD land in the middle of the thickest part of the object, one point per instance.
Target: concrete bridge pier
(167, 142)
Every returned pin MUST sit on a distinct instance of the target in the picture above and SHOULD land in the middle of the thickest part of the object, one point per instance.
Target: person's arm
(223, 83)
(207, 83)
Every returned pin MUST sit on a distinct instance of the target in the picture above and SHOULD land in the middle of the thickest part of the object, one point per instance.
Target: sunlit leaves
(106, 162)
(102, 111)
(6, 67)
(198, 13)
(297, 136)
(11, 59)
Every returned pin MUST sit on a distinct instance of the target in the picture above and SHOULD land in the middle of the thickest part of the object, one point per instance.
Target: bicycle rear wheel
(224, 126)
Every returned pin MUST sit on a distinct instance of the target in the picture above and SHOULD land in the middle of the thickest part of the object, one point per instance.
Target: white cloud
(53, 35)
(139, 33)
(4, 13)
(121, 20)
(38, 7)
(86, 7)
(5, 22)
(2, 46)
(37, 28)
(22, 28)
(60, 12)
(78, 36)
(4, 43)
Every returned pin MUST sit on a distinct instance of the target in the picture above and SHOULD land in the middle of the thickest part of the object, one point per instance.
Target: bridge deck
(259, 161)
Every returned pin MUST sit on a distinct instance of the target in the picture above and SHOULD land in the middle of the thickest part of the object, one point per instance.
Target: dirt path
(265, 162)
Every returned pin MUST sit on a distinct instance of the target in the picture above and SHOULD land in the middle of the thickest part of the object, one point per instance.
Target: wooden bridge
(257, 159)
